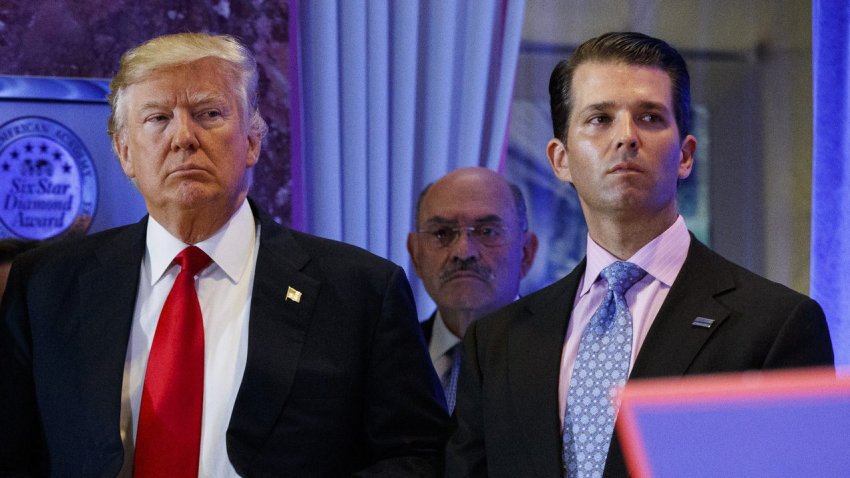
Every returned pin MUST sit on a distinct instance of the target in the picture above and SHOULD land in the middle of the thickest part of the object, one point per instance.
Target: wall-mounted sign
(58, 174)
(48, 185)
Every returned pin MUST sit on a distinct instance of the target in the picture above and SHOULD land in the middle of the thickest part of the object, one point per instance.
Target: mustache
(468, 265)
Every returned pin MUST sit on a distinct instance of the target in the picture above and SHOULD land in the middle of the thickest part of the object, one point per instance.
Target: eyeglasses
(488, 235)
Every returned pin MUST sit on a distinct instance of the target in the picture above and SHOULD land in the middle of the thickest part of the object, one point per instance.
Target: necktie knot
(621, 276)
(192, 260)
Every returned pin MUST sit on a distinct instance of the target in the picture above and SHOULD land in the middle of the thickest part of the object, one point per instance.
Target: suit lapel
(277, 328)
(534, 358)
(428, 327)
(107, 297)
(674, 341)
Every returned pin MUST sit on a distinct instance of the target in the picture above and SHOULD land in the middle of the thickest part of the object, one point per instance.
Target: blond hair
(180, 49)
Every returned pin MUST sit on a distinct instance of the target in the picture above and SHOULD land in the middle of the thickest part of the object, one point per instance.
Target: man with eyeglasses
(471, 248)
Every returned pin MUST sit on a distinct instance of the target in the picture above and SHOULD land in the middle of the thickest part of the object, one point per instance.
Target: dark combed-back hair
(630, 48)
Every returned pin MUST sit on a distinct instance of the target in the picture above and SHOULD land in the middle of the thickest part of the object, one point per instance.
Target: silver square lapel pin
(702, 322)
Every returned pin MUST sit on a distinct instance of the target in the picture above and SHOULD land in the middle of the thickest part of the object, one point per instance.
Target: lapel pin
(702, 322)
(293, 295)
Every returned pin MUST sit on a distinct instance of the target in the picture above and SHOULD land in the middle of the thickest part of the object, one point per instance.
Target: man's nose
(627, 136)
(465, 246)
(185, 137)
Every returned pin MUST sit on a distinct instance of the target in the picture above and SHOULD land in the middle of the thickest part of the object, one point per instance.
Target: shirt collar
(661, 258)
(442, 339)
(229, 248)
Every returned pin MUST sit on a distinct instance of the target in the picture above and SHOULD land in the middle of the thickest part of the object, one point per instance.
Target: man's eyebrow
(195, 100)
(653, 105)
(440, 220)
(202, 99)
(490, 218)
(152, 105)
(601, 106)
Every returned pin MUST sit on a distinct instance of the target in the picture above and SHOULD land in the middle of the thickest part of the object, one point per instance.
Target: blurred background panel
(85, 39)
(749, 197)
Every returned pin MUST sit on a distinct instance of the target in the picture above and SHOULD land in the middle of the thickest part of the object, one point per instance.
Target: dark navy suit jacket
(507, 413)
(337, 384)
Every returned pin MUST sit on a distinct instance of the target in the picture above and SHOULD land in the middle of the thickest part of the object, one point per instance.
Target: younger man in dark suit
(471, 248)
(649, 300)
(207, 340)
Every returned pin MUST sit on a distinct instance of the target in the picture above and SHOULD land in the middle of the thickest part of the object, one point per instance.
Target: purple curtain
(830, 283)
(392, 95)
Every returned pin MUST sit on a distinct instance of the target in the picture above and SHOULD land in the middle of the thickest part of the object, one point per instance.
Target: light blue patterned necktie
(602, 364)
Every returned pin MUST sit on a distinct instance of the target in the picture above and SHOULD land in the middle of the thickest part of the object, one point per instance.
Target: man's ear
(122, 152)
(413, 251)
(686, 156)
(255, 144)
(529, 250)
(556, 151)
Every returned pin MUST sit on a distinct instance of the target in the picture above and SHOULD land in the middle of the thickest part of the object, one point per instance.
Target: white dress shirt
(224, 292)
(440, 346)
(662, 259)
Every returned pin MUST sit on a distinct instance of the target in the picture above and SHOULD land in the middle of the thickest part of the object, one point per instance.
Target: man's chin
(195, 194)
(469, 297)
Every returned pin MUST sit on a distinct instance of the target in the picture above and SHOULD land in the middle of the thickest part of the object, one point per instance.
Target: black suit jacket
(428, 327)
(507, 412)
(336, 384)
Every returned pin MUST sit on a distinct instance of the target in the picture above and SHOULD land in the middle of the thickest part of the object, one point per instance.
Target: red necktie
(168, 440)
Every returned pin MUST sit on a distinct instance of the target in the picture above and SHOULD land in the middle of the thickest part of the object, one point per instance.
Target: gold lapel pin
(293, 295)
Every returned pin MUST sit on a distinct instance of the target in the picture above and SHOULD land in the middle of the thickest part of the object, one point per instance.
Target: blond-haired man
(275, 354)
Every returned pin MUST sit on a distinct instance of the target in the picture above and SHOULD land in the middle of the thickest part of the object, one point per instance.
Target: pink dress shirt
(661, 258)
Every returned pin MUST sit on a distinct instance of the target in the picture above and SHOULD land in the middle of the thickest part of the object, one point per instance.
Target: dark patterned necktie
(450, 381)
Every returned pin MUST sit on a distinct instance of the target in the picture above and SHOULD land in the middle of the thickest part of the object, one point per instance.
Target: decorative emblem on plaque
(48, 185)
